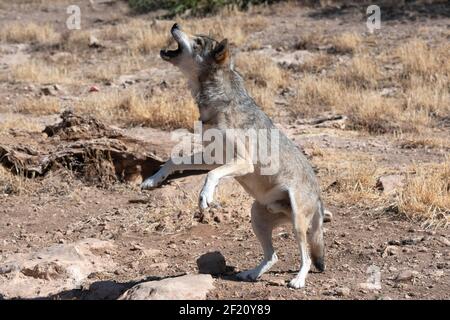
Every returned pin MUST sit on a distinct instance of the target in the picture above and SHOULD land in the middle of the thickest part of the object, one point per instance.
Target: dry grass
(370, 111)
(426, 195)
(145, 37)
(425, 140)
(355, 183)
(419, 59)
(19, 122)
(263, 78)
(367, 110)
(234, 25)
(28, 32)
(261, 70)
(355, 87)
(348, 42)
(76, 40)
(432, 98)
(40, 72)
(317, 63)
(363, 71)
(39, 106)
(167, 110)
(315, 94)
(141, 36)
(10, 183)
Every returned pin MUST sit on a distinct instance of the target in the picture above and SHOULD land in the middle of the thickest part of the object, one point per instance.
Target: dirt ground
(367, 237)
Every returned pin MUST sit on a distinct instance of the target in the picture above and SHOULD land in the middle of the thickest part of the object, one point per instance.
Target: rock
(369, 286)
(51, 90)
(390, 183)
(276, 282)
(94, 42)
(189, 287)
(287, 59)
(327, 216)
(61, 57)
(105, 290)
(52, 270)
(211, 263)
(127, 79)
(406, 275)
(151, 252)
(390, 251)
(94, 89)
(412, 241)
(394, 242)
(7, 268)
(422, 249)
(388, 92)
(407, 250)
(160, 265)
(343, 292)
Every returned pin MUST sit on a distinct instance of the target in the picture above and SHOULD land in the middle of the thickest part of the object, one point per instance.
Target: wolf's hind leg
(263, 223)
(301, 217)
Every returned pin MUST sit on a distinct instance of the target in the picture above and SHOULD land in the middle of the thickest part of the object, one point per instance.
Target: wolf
(292, 194)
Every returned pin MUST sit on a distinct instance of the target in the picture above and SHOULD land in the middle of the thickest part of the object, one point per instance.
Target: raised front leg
(170, 167)
(214, 176)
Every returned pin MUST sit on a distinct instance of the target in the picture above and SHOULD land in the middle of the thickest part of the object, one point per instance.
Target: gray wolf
(292, 194)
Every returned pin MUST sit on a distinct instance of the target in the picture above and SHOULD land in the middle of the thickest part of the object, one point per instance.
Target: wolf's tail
(315, 238)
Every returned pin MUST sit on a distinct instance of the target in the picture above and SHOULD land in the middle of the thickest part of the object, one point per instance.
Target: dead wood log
(94, 151)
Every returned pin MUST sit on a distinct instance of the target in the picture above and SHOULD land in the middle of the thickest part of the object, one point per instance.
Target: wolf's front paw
(206, 198)
(153, 181)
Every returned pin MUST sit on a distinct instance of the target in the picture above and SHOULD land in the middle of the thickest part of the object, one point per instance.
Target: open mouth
(168, 54)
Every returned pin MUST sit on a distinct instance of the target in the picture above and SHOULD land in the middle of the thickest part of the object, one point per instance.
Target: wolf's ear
(221, 52)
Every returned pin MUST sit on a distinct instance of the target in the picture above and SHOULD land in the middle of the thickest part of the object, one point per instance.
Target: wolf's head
(196, 55)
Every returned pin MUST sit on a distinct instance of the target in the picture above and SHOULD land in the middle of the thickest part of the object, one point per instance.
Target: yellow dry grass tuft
(76, 40)
(39, 106)
(362, 71)
(18, 32)
(39, 72)
(426, 195)
(226, 26)
(419, 59)
(166, 110)
(348, 42)
(355, 183)
(19, 122)
(315, 94)
(263, 78)
(431, 98)
(10, 183)
(147, 36)
(317, 63)
(426, 139)
(367, 110)
(261, 70)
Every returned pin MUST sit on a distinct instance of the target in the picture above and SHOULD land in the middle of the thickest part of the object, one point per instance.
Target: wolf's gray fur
(292, 194)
